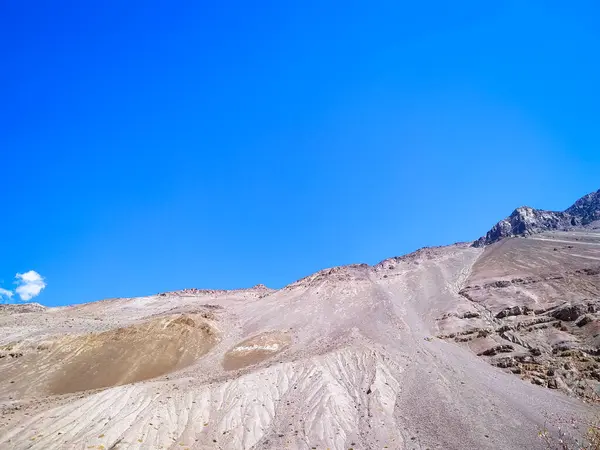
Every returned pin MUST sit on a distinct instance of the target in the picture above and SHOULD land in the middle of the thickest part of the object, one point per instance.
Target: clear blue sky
(150, 146)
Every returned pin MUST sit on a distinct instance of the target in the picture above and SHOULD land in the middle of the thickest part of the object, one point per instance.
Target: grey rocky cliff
(525, 220)
(587, 208)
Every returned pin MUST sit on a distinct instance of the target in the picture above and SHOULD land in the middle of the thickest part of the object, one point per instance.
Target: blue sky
(152, 146)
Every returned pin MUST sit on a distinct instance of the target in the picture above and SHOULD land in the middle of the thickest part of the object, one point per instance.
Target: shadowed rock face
(587, 208)
(525, 221)
(453, 347)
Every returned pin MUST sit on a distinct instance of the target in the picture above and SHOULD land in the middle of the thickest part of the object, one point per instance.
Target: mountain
(587, 208)
(525, 221)
(455, 347)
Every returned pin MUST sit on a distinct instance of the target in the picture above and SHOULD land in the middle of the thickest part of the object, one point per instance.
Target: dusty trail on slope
(345, 358)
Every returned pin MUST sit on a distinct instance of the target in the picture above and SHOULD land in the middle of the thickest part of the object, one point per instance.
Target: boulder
(514, 311)
(497, 349)
(505, 362)
(568, 313)
(584, 320)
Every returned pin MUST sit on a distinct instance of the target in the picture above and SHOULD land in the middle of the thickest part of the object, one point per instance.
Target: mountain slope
(455, 347)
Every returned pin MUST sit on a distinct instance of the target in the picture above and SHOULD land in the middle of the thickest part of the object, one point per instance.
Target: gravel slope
(345, 358)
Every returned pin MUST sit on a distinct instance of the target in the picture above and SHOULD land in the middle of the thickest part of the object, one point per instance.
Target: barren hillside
(457, 347)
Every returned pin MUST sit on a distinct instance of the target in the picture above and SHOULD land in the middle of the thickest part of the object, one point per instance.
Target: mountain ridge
(526, 220)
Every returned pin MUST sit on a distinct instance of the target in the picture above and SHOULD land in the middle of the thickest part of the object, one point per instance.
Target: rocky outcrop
(525, 220)
(587, 208)
(514, 311)
(555, 348)
(569, 313)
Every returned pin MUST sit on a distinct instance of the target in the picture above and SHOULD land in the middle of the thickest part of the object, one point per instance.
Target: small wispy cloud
(29, 285)
(5, 295)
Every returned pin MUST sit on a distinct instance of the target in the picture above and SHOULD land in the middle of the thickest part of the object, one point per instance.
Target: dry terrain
(460, 347)
(447, 348)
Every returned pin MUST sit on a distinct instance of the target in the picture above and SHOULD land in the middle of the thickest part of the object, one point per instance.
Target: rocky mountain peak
(525, 220)
(587, 208)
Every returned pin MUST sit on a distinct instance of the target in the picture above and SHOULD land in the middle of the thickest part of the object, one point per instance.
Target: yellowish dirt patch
(256, 349)
(130, 354)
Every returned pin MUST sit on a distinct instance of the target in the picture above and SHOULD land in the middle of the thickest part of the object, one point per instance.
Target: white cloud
(5, 293)
(29, 285)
